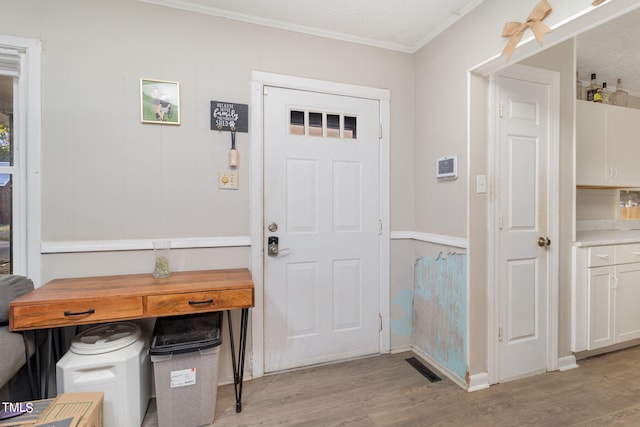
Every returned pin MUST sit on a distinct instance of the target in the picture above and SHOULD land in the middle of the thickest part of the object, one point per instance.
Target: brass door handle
(543, 241)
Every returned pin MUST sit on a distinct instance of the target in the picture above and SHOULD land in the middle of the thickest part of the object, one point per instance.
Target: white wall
(107, 177)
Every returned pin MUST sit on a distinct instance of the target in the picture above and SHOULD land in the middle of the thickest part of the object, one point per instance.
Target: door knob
(543, 241)
(273, 227)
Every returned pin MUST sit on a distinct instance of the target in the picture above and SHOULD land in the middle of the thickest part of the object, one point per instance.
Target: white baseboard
(566, 363)
(401, 349)
(478, 382)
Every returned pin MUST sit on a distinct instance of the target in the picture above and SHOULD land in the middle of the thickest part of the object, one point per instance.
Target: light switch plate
(228, 180)
(481, 184)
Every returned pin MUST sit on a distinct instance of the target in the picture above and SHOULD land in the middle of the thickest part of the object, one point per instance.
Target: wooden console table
(89, 300)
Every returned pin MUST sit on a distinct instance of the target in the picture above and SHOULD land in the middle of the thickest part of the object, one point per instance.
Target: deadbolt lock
(272, 246)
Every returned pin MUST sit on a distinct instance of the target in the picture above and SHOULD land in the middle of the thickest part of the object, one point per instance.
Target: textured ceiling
(612, 51)
(399, 25)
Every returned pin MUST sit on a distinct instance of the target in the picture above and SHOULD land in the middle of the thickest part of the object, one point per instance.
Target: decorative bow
(514, 30)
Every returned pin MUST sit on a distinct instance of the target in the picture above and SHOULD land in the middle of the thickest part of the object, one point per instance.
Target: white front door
(523, 243)
(322, 204)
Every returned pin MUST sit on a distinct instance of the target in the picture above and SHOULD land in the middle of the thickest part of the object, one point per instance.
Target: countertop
(606, 237)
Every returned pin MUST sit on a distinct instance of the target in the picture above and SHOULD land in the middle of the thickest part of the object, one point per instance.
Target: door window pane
(350, 127)
(315, 124)
(333, 126)
(296, 123)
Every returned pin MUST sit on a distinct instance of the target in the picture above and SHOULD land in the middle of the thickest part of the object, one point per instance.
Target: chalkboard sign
(229, 116)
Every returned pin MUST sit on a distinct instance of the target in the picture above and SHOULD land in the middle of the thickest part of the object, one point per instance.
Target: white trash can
(184, 352)
(112, 358)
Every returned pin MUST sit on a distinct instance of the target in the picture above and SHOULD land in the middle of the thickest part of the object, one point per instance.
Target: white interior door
(523, 227)
(322, 203)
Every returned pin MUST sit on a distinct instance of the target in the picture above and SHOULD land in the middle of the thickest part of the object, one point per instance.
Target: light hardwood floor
(387, 391)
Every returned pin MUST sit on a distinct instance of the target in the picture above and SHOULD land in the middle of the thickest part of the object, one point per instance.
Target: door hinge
(380, 132)
(379, 322)
(379, 227)
(500, 110)
(500, 333)
(265, 90)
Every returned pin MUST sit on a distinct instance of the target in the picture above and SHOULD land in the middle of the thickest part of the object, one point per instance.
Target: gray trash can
(184, 352)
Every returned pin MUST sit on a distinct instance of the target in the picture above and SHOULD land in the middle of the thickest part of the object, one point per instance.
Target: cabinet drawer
(601, 255)
(74, 312)
(196, 302)
(627, 253)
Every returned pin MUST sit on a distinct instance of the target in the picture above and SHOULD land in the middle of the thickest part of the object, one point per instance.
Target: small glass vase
(161, 254)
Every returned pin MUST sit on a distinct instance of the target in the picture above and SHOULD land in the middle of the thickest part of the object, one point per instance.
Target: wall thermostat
(447, 167)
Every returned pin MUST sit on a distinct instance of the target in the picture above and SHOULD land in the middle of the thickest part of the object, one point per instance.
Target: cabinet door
(591, 144)
(626, 288)
(600, 307)
(623, 145)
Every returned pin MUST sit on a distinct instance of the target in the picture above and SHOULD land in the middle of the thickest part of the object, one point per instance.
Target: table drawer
(601, 255)
(74, 312)
(627, 253)
(196, 302)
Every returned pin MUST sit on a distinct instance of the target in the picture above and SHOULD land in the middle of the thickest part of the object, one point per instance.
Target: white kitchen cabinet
(601, 307)
(607, 145)
(605, 296)
(623, 145)
(591, 144)
(626, 291)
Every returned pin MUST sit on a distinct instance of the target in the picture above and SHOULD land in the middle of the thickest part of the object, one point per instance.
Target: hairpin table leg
(238, 365)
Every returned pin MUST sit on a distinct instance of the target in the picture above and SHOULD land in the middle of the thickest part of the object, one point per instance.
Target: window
(7, 169)
(20, 157)
(314, 123)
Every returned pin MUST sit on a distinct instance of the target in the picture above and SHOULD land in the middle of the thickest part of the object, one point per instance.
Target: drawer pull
(603, 256)
(79, 313)
(208, 301)
(636, 253)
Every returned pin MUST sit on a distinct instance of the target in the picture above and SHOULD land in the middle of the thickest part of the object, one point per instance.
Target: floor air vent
(428, 373)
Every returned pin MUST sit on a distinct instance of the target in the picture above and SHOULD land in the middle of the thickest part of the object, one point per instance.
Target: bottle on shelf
(592, 89)
(579, 87)
(620, 97)
(606, 94)
(597, 95)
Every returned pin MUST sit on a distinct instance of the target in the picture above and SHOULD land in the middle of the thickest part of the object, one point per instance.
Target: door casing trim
(259, 80)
